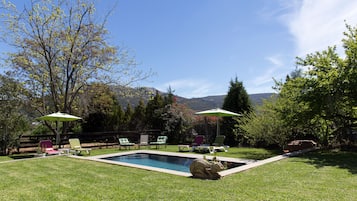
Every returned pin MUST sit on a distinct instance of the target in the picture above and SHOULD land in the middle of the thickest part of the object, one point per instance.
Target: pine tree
(237, 100)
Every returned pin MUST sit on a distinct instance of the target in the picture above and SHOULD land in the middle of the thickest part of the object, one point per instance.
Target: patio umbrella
(218, 113)
(59, 117)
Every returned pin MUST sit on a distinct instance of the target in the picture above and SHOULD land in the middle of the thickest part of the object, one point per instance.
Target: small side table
(64, 151)
(183, 147)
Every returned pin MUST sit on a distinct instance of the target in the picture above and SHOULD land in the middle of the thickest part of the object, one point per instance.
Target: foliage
(12, 120)
(97, 103)
(317, 104)
(128, 113)
(329, 90)
(263, 127)
(138, 118)
(153, 113)
(237, 100)
(60, 47)
(177, 120)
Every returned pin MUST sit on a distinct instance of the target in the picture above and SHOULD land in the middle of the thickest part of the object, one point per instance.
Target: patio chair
(218, 144)
(161, 140)
(198, 141)
(144, 140)
(124, 142)
(47, 147)
(76, 146)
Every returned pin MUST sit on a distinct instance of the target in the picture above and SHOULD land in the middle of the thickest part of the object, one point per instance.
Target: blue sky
(197, 46)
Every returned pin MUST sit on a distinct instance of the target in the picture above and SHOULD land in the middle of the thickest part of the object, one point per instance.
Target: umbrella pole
(57, 135)
(218, 131)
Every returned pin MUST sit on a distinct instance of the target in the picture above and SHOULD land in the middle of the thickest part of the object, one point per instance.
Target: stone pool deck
(249, 163)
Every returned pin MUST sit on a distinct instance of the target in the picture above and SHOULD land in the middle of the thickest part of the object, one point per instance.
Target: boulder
(297, 145)
(203, 169)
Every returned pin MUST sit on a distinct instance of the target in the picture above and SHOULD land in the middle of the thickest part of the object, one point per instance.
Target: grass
(313, 176)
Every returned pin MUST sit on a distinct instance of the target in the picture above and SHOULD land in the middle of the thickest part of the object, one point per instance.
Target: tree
(60, 48)
(264, 127)
(127, 117)
(12, 121)
(318, 104)
(153, 113)
(138, 118)
(237, 100)
(177, 120)
(99, 103)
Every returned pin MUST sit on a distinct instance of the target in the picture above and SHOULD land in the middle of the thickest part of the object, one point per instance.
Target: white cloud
(189, 88)
(266, 77)
(275, 60)
(263, 82)
(317, 24)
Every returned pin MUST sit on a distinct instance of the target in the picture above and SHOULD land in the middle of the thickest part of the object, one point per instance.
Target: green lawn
(313, 176)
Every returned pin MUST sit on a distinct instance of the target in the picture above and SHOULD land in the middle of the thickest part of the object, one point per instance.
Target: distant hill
(127, 95)
(210, 102)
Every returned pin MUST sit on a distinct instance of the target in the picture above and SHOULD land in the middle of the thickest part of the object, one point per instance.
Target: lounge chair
(218, 144)
(124, 142)
(76, 146)
(198, 141)
(47, 147)
(144, 140)
(161, 140)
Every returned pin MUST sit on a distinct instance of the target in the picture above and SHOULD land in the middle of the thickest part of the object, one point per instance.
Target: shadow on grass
(21, 156)
(257, 155)
(341, 159)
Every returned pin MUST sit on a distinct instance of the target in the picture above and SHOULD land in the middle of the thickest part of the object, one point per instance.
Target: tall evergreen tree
(138, 118)
(127, 117)
(153, 115)
(237, 100)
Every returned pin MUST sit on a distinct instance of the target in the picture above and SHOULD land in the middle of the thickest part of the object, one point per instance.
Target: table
(183, 147)
(65, 151)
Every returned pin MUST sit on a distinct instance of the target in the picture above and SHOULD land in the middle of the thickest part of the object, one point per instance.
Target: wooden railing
(29, 143)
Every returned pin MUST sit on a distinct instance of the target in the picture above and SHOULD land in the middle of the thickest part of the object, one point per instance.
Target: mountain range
(132, 96)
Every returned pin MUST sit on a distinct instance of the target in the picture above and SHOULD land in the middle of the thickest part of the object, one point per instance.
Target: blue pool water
(154, 160)
(162, 161)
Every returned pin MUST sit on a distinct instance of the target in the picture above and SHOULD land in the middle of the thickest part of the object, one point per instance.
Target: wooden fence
(29, 143)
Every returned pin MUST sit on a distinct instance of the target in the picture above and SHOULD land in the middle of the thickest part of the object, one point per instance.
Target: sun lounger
(47, 147)
(161, 140)
(124, 142)
(199, 140)
(76, 146)
(218, 144)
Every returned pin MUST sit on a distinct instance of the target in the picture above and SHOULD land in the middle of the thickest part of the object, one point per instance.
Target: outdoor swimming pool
(154, 160)
(173, 163)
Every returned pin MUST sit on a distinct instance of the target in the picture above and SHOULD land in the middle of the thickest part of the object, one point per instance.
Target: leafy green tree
(99, 104)
(59, 48)
(177, 120)
(237, 100)
(12, 120)
(327, 91)
(264, 127)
